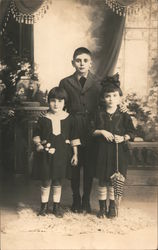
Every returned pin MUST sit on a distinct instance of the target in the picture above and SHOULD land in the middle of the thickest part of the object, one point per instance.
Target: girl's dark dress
(56, 166)
(119, 124)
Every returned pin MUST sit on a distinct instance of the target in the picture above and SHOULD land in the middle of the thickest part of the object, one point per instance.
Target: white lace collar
(60, 116)
(56, 121)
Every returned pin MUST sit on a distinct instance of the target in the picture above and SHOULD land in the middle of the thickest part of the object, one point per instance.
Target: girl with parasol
(112, 128)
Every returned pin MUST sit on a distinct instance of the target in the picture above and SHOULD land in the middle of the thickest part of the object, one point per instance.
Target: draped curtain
(28, 6)
(4, 4)
(24, 11)
(111, 39)
(112, 31)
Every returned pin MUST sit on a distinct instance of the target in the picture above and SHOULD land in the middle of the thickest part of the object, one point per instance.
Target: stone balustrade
(143, 155)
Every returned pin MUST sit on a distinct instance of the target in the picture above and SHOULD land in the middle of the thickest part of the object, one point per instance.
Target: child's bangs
(57, 93)
(59, 96)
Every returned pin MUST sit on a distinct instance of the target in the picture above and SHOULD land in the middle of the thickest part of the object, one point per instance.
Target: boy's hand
(118, 138)
(107, 135)
(123, 108)
(74, 160)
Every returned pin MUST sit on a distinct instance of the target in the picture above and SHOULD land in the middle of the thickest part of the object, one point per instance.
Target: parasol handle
(117, 157)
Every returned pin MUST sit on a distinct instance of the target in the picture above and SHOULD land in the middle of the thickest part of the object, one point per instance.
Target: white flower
(43, 142)
(48, 145)
(39, 148)
(51, 151)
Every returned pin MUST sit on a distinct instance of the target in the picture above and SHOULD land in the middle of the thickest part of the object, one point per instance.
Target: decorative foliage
(144, 112)
(10, 76)
(145, 109)
(12, 68)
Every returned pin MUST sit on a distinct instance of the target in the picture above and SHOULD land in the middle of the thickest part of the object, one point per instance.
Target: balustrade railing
(143, 155)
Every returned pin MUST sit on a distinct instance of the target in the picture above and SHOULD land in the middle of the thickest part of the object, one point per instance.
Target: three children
(81, 94)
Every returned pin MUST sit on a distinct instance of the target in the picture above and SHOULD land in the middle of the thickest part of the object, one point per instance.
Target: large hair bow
(111, 79)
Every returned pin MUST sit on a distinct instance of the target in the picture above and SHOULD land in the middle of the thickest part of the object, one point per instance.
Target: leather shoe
(86, 207)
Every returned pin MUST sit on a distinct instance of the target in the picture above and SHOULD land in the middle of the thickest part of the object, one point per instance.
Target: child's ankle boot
(103, 209)
(112, 209)
(44, 209)
(57, 210)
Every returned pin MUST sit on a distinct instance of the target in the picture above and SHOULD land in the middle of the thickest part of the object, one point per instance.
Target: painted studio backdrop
(37, 41)
(39, 37)
(50, 31)
(72, 24)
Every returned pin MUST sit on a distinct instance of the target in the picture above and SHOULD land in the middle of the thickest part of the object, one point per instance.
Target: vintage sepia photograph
(78, 124)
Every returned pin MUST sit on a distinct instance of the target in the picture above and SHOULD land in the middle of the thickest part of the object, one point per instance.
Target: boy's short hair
(81, 50)
(57, 93)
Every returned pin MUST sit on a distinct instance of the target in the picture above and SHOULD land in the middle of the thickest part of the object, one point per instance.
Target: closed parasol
(118, 181)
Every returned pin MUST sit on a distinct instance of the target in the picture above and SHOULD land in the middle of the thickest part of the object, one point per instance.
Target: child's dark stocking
(102, 196)
(45, 191)
(56, 200)
(112, 207)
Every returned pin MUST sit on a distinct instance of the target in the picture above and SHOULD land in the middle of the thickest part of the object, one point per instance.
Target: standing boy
(83, 89)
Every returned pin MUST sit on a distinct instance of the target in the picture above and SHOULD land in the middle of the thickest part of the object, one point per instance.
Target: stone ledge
(142, 177)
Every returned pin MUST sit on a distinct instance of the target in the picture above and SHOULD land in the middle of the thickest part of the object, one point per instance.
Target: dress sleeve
(74, 133)
(129, 127)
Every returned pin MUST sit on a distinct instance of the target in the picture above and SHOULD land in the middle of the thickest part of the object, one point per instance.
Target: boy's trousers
(87, 163)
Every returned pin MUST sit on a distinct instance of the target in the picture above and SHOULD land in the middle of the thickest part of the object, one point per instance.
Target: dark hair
(110, 84)
(111, 88)
(81, 50)
(57, 93)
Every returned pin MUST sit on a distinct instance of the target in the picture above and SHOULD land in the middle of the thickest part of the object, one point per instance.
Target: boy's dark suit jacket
(82, 103)
(82, 99)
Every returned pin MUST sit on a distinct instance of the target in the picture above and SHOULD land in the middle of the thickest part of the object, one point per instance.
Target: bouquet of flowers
(47, 147)
(43, 145)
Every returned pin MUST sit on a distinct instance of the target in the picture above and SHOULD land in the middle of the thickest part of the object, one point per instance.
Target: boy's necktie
(82, 81)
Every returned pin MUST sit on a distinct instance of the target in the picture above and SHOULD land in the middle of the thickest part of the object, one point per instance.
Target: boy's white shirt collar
(56, 121)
